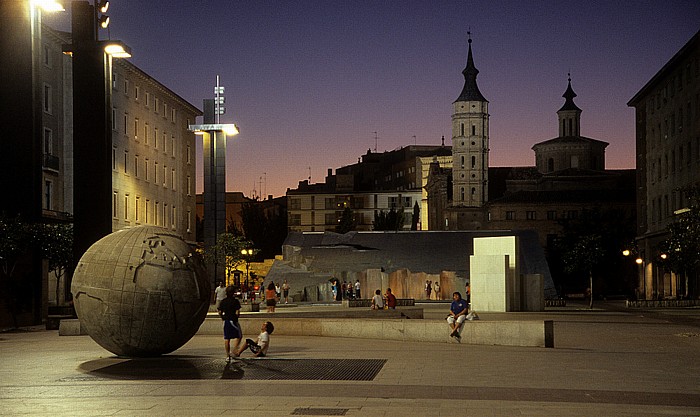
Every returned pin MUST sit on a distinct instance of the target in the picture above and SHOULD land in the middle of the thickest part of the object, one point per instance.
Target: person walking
(271, 297)
(220, 294)
(438, 296)
(229, 311)
(357, 289)
(428, 289)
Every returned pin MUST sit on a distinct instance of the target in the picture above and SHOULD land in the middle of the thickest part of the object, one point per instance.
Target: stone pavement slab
(605, 363)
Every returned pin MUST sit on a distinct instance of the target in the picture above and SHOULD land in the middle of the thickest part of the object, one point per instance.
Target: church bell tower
(470, 142)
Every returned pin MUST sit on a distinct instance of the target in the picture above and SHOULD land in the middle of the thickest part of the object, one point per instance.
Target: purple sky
(308, 82)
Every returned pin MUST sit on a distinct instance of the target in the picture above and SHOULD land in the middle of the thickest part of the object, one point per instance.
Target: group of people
(387, 301)
(431, 287)
(230, 310)
(273, 294)
(345, 290)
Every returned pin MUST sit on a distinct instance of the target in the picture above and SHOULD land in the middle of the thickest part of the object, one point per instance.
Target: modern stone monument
(141, 292)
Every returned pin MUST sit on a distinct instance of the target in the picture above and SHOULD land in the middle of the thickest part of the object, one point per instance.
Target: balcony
(50, 162)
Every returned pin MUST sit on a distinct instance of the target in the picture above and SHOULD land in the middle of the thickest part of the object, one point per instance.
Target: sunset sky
(309, 82)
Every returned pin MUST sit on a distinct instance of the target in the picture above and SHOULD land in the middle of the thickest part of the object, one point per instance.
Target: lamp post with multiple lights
(214, 134)
(92, 122)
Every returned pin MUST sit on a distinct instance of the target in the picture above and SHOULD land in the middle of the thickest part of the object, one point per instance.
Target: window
(172, 145)
(189, 185)
(295, 219)
(115, 196)
(155, 172)
(510, 215)
(473, 161)
(172, 178)
(137, 216)
(551, 215)
(189, 154)
(48, 142)
(114, 80)
(166, 212)
(330, 219)
(47, 101)
(126, 87)
(126, 161)
(145, 133)
(165, 142)
(530, 215)
(155, 138)
(156, 214)
(550, 165)
(145, 169)
(137, 90)
(136, 128)
(572, 214)
(148, 99)
(126, 206)
(189, 221)
(147, 210)
(295, 203)
(157, 105)
(126, 124)
(172, 115)
(165, 175)
(473, 130)
(47, 56)
(461, 129)
(114, 159)
(462, 161)
(461, 193)
(48, 195)
(173, 216)
(114, 119)
(165, 109)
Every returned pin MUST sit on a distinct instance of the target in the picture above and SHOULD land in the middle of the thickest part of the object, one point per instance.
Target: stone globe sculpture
(141, 292)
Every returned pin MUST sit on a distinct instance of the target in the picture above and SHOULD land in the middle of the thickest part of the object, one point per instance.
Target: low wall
(662, 303)
(367, 302)
(503, 333)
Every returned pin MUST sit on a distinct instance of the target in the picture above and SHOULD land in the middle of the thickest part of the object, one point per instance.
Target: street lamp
(247, 253)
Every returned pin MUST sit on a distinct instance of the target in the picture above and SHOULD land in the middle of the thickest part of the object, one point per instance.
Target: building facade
(667, 117)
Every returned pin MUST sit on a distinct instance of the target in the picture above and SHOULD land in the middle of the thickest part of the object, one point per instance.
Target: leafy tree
(415, 218)
(682, 248)
(582, 254)
(56, 245)
(227, 252)
(16, 243)
(615, 228)
(391, 220)
(346, 222)
(267, 231)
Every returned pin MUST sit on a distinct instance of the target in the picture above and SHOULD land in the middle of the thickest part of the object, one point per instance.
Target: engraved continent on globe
(141, 292)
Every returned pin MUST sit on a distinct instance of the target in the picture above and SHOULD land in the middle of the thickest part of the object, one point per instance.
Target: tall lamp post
(92, 121)
(247, 253)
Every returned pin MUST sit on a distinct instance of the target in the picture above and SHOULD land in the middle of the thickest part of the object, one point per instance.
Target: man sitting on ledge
(458, 313)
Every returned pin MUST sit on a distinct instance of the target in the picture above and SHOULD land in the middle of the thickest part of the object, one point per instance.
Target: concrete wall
(503, 333)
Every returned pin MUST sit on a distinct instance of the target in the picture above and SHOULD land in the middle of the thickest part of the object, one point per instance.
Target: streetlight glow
(48, 5)
(118, 50)
(639, 261)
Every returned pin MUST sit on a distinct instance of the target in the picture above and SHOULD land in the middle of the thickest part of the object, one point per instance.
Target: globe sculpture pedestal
(141, 292)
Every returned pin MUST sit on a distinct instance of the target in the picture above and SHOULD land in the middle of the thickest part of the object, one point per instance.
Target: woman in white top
(377, 301)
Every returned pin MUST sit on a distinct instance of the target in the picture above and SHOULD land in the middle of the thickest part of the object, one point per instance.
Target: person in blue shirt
(458, 313)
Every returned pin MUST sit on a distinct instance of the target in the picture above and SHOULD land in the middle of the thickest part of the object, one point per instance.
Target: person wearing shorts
(271, 297)
(229, 310)
(458, 313)
(259, 348)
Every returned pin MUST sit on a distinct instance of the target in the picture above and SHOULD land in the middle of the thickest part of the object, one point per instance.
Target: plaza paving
(606, 362)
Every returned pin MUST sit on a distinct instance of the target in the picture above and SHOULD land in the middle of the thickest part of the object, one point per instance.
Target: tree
(582, 254)
(612, 273)
(392, 220)
(415, 218)
(347, 222)
(227, 252)
(16, 243)
(56, 246)
(682, 248)
(267, 230)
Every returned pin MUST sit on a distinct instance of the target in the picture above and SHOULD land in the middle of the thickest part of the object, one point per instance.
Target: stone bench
(531, 333)
(367, 302)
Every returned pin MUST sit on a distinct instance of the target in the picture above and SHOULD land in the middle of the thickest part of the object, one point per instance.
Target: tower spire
(470, 91)
(569, 96)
